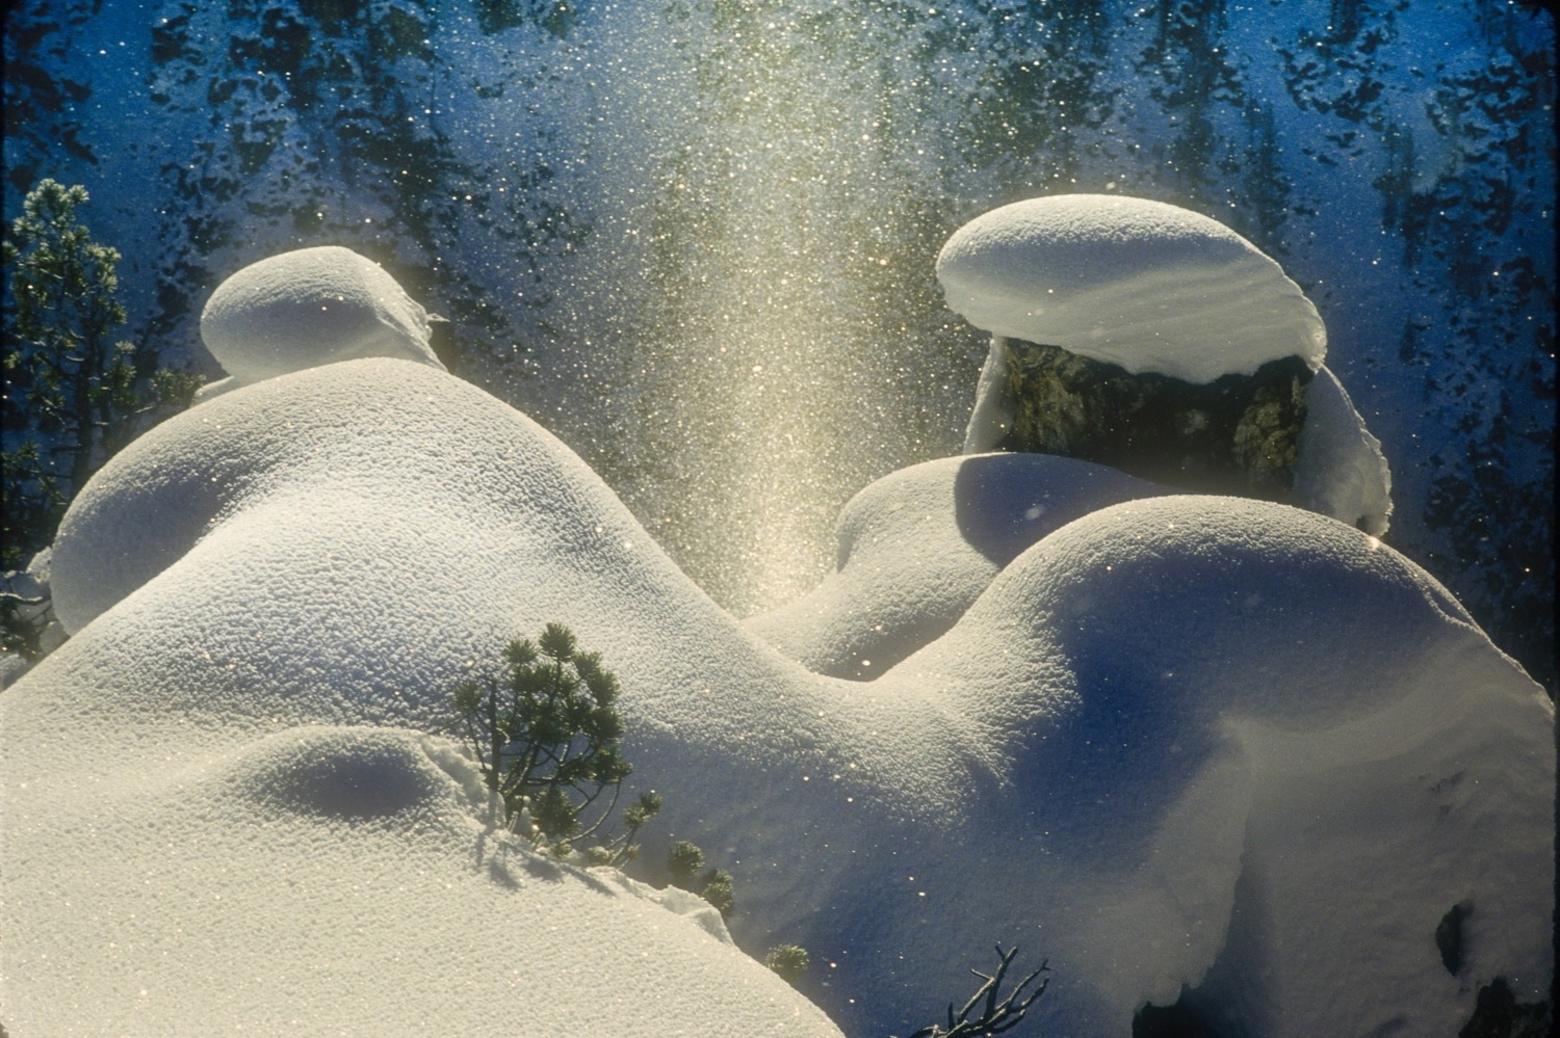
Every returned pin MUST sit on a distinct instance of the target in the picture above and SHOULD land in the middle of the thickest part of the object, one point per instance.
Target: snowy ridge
(1103, 759)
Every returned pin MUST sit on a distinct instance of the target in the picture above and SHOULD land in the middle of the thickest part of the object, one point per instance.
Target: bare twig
(995, 1016)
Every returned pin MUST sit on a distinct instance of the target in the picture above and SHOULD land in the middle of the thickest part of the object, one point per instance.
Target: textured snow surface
(1173, 737)
(310, 307)
(1146, 285)
(216, 388)
(1339, 468)
(219, 819)
(921, 544)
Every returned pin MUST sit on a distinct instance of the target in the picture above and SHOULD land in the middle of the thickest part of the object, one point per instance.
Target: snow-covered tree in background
(74, 393)
(340, 123)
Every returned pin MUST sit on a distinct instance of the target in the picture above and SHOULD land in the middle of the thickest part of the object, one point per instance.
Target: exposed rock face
(1235, 435)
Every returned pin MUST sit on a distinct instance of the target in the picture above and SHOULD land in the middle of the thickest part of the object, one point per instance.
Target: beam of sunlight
(768, 253)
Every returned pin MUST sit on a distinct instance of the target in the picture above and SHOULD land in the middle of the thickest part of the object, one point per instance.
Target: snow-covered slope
(333, 879)
(222, 810)
(1172, 733)
(921, 544)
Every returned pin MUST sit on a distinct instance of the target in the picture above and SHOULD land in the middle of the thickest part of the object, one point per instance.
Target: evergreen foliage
(74, 394)
(788, 960)
(683, 864)
(717, 890)
(545, 732)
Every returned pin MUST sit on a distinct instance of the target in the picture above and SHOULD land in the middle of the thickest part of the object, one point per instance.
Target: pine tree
(74, 394)
(683, 864)
(545, 732)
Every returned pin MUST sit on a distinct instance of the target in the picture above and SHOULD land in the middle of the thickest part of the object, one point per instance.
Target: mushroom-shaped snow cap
(1151, 287)
(311, 307)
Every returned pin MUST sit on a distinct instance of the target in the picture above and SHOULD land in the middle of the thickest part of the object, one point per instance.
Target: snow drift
(918, 546)
(1171, 735)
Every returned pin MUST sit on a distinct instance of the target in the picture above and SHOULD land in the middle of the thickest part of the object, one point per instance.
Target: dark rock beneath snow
(1498, 1014)
(1449, 935)
(1235, 435)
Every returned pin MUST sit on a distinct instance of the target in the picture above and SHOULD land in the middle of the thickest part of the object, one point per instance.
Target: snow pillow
(310, 307)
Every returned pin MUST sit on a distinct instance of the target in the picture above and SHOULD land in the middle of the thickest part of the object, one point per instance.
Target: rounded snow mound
(921, 544)
(1287, 663)
(1173, 737)
(1145, 285)
(344, 773)
(329, 880)
(310, 307)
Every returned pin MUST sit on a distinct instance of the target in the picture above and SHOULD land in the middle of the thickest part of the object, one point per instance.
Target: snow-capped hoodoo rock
(1153, 339)
(1147, 286)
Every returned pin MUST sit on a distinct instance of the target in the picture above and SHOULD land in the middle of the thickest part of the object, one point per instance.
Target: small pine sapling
(75, 394)
(790, 961)
(622, 849)
(545, 732)
(717, 890)
(683, 863)
(994, 1016)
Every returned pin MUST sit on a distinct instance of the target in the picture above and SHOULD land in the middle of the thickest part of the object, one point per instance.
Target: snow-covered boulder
(1238, 434)
(1155, 339)
(310, 307)
(918, 546)
(1172, 738)
(1144, 285)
